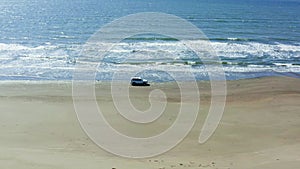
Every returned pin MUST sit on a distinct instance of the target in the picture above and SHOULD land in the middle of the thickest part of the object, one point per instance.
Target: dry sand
(260, 128)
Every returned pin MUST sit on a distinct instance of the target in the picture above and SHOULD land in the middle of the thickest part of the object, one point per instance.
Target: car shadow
(140, 84)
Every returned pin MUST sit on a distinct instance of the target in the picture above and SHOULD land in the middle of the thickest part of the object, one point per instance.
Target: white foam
(16, 59)
(289, 48)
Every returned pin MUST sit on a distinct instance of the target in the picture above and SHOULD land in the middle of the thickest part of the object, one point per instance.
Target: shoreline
(229, 76)
(275, 75)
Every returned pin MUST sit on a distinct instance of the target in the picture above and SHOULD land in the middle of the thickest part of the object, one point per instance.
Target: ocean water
(42, 40)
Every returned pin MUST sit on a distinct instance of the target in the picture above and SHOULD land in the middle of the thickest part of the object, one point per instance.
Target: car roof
(136, 78)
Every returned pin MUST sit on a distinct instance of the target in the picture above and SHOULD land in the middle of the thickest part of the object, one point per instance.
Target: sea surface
(43, 39)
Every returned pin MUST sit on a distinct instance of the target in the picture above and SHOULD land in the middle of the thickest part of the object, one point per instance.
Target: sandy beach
(260, 128)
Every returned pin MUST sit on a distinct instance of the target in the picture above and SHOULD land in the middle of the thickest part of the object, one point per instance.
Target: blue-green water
(41, 40)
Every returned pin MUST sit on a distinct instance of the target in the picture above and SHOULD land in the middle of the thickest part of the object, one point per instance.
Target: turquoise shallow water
(42, 40)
